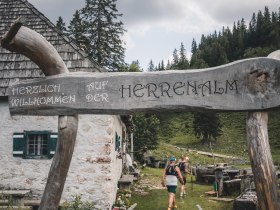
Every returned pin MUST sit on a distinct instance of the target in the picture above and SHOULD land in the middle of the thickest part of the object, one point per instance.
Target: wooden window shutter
(117, 142)
(52, 144)
(19, 145)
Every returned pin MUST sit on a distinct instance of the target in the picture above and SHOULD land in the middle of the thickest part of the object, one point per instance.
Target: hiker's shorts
(171, 189)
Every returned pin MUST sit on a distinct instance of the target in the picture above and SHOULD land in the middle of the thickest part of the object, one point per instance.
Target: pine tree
(104, 31)
(252, 37)
(194, 46)
(151, 66)
(162, 68)
(175, 61)
(207, 126)
(260, 28)
(60, 25)
(146, 130)
(168, 65)
(183, 62)
(135, 66)
(77, 31)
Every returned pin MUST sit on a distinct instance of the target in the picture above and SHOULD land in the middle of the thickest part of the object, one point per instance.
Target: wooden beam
(31, 44)
(261, 159)
(57, 175)
(251, 84)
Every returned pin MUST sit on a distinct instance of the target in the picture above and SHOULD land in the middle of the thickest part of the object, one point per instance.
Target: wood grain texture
(31, 44)
(67, 133)
(261, 161)
(252, 84)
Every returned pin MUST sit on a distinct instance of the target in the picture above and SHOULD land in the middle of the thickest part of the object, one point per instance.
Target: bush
(78, 204)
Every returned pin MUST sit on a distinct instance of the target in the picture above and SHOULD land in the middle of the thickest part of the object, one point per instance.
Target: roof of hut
(15, 67)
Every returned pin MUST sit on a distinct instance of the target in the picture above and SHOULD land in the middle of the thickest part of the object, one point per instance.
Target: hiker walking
(183, 166)
(169, 179)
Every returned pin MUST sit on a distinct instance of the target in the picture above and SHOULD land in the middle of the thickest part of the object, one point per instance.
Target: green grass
(166, 150)
(157, 199)
(176, 129)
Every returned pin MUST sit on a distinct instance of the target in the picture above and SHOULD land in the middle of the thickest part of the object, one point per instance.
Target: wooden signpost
(247, 85)
(244, 85)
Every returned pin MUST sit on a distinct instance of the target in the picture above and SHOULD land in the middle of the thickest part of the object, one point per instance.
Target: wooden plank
(211, 192)
(17, 193)
(132, 206)
(16, 207)
(251, 84)
(2, 202)
(37, 202)
(228, 200)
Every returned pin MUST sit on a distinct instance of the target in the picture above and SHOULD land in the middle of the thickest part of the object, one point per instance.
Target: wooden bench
(17, 207)
(32, 202)
(4, 202)
(17, 196)
(125, 181)
(36, 202)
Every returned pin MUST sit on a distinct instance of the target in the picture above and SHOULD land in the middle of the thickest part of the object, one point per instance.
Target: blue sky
(156, 27)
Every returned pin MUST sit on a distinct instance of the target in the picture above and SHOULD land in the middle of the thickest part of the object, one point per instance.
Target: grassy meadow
(156, 199)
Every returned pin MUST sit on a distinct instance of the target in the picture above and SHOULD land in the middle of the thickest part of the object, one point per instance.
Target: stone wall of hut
(95, 167)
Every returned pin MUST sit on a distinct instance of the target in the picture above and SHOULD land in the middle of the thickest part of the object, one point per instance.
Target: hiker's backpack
(182, 166)
(170, 170)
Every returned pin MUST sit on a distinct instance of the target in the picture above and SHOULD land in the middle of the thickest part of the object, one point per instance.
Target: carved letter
(149, 85)
(129, 90)
(194, 88)
(204, 85)
(178, 85)
(231, 86)
(220, 89)
(165, 87)
(135, 89)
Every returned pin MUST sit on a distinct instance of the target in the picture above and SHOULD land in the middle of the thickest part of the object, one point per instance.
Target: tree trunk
(34, 46)
(261, 161)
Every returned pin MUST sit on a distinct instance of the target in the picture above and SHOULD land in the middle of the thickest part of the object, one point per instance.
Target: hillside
(176, 129)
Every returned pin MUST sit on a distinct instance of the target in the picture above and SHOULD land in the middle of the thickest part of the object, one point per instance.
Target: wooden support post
(57, 175)
(261, 161)
(260, 156)
(34, 46)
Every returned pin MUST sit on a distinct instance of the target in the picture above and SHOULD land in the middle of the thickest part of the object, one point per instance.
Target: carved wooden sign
(251, 84)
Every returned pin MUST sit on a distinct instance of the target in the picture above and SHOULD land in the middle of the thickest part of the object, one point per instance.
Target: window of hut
(34, 144)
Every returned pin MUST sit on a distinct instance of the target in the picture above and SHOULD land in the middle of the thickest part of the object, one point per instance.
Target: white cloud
(156, 27)
(52, 9)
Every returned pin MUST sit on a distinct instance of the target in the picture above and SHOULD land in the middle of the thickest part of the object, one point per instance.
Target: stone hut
(28, 142)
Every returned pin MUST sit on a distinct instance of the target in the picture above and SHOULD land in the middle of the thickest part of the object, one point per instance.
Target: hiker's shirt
(171, 176)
